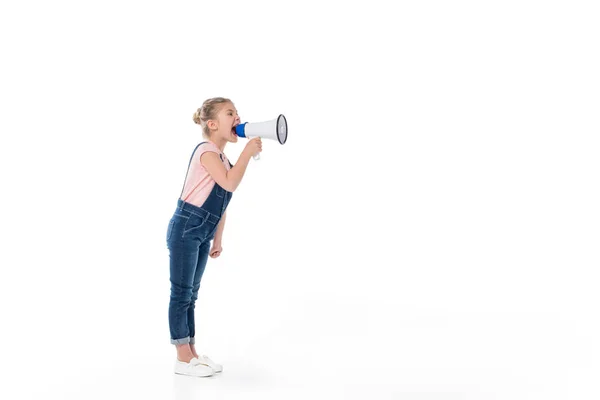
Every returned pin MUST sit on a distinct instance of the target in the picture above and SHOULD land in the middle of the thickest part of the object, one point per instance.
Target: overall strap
(188, 169)
(230, 164)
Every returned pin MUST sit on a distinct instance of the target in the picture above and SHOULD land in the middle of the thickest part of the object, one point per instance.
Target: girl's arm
(230, 180)
(220, 228)
(216, 249)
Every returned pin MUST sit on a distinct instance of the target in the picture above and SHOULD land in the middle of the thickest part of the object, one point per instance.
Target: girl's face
(227, 120)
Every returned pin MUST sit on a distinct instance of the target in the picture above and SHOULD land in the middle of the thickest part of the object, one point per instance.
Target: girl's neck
(220, 143)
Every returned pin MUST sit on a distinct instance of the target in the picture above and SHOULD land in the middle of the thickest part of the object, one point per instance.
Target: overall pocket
(199, 227)
(170, 229)
(195, 226)
(175, 225)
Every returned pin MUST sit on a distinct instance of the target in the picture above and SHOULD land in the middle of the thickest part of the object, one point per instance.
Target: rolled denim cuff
(184, 340)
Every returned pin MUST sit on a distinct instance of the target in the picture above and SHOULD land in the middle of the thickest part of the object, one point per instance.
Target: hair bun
(197, 117)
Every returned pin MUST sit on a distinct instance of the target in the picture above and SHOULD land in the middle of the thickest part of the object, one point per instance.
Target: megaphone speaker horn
(275, 129)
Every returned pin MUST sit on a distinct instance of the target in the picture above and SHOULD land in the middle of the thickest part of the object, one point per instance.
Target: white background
(429, 231)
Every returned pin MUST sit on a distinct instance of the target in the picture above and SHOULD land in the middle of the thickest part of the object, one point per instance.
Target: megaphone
(275, 129)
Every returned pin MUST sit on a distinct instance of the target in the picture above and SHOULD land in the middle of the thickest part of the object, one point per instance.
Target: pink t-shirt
(199, 183)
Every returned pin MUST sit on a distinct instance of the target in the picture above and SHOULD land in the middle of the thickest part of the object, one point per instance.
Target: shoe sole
(194, 375)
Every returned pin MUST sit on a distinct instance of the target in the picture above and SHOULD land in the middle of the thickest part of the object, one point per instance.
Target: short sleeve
(203, 148)
(209, 146)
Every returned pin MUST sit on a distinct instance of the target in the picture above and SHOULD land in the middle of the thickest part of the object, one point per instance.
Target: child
(198, 219)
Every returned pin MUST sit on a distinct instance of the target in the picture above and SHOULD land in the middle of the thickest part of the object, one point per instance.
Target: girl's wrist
(247, 154)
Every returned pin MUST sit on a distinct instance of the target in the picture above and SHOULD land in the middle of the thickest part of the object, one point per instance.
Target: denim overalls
(189, 234)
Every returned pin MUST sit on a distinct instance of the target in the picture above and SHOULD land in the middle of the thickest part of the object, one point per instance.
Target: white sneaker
(216, 367)
(195, 367)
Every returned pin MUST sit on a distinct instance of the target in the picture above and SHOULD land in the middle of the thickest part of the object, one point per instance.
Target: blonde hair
(209, 110)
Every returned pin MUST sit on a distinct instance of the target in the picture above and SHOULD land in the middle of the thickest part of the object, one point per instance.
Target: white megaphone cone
(275, 129)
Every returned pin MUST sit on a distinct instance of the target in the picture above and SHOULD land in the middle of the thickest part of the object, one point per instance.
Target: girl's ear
(212, 125)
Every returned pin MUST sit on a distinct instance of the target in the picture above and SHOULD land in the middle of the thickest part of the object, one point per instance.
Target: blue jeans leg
(200, 266)
(183, 262)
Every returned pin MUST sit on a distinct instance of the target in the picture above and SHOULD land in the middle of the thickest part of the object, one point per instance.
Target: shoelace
(209, 360)
(197, 361)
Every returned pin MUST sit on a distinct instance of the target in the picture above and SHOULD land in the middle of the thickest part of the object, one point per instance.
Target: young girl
(198, 219)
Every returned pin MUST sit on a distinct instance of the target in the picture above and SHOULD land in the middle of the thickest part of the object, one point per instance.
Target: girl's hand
(254, 146)
(215, 250)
